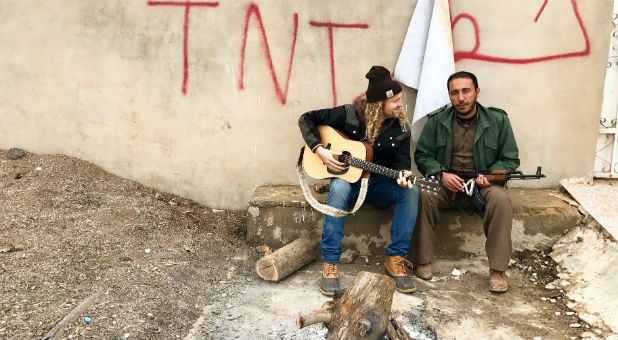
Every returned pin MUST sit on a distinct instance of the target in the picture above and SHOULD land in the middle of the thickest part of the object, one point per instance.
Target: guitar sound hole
(345, 159)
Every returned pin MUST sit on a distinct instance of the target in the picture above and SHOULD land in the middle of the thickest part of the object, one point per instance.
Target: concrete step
(279, 214)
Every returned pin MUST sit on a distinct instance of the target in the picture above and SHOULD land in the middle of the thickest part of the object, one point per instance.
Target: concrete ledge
(279, 214)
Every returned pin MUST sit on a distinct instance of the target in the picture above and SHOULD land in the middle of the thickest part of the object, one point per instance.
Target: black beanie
(381, 85)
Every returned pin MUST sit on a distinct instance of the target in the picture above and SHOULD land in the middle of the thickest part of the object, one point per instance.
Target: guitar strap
(325, 208)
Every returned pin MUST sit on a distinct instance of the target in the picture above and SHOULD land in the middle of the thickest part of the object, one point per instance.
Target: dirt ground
(71, 230)
(168, 268)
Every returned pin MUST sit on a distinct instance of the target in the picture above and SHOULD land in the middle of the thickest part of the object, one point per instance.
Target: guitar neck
(374, 168)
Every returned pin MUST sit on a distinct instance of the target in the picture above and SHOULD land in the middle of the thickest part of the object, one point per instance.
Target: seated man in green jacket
(457, 144)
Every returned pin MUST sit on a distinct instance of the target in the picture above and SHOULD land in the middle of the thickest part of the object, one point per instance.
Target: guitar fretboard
(375, 168)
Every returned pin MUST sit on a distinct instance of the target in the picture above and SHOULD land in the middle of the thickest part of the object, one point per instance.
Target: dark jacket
(391, 149)
(494, 142)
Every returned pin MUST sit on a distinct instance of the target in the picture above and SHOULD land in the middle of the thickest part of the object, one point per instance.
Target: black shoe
(394, 268)
(328, 286)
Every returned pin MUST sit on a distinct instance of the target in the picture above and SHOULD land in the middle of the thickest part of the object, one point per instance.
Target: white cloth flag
(426, 58)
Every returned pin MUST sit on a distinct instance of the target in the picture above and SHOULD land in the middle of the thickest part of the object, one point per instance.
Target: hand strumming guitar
(329, 158)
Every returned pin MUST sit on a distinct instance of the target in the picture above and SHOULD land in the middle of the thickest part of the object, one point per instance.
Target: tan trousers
(497, 224)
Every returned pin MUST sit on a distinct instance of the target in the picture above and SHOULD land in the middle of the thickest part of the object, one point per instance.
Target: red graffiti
(253, 9)
(330, 26)
(540, 11)
(473, 54)
(185, 40)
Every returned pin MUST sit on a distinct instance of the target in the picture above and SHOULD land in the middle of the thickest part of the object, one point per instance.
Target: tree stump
(287, 259)
(361, 313)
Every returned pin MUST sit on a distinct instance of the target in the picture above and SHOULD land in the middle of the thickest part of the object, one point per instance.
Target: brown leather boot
(497, 281)
(395, 269)
(424, 271)
(330, 279)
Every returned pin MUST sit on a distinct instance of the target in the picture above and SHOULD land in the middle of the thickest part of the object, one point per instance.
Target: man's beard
(472, 107)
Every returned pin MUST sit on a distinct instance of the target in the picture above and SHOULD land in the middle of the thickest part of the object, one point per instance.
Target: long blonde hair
(374, 116)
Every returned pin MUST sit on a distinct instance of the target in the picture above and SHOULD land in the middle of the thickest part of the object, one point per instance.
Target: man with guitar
(459, 144)
(380, 122)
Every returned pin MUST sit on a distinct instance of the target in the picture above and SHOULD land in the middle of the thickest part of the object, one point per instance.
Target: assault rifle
(501, 176)
(494, 176)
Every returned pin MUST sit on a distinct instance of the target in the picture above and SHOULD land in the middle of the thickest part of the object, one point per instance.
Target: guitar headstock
(428, 184)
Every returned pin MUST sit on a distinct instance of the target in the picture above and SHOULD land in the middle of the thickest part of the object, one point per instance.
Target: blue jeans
(382, 192)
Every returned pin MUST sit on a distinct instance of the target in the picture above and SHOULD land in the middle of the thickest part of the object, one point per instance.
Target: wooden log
(395, 331)
(361, 313)
(288, 259)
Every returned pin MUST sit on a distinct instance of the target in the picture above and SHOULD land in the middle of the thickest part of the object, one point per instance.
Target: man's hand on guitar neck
(403, 181)
(329, 158)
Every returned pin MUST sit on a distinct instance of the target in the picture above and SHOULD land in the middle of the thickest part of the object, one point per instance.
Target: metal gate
(606, 160)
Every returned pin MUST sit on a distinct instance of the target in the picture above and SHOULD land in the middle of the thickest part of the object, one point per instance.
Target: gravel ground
(69, 230)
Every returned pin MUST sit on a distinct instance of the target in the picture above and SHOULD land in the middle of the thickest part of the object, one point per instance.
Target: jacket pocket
(441, 150)
(490, 153)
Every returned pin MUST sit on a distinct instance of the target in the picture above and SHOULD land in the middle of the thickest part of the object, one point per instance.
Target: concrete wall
(192, 99)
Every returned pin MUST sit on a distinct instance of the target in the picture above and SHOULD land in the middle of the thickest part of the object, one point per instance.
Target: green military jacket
(494, 142)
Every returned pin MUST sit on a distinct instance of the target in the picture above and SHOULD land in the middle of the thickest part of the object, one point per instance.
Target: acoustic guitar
(357, 157)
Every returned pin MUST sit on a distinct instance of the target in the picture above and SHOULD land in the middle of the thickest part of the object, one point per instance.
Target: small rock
(147, 250)
(550, 286)
(15, 153)
(367, 260)
(5, 247)
(557, 313)
(570, 313)
(242, 256)
(552, 300)
(217, 210)
(38, 168)
(575, 325)
(543, 298)
(348, 256)
(233, 315)
(456, 272)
